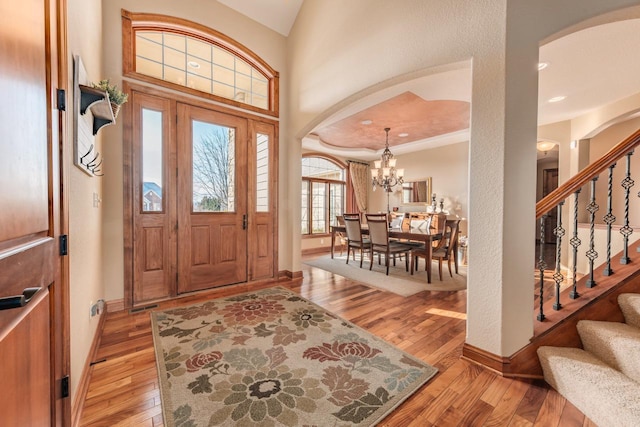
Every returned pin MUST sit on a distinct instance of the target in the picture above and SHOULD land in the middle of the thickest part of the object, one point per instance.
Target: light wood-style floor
(430, 325)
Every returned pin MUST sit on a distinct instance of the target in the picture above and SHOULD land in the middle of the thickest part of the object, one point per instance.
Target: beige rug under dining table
(425, 235)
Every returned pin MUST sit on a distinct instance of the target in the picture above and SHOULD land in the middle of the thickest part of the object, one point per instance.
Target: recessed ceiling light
(366, 122)
(542, 65)
(557, 98)
(193, 64)
(403, 135)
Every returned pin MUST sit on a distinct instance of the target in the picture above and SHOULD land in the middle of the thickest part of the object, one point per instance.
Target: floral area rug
(271, 358)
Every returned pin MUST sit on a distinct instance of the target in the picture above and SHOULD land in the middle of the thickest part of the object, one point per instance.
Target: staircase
(603, 378)
(587, 337)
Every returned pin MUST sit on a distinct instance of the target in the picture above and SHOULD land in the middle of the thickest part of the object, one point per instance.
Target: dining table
(424, 235)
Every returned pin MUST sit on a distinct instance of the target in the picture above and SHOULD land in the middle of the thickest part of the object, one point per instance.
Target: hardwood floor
(430, 325)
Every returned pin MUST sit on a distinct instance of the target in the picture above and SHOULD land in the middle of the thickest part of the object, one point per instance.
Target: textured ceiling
(405, 113)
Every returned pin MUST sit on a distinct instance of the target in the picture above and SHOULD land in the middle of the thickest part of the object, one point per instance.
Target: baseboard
(292, 275)
(85, 377)
(313, 251)
(115, 305)
(482, 357)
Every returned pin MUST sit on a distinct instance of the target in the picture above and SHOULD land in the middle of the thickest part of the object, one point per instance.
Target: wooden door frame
(127, 160)
(61, 156)
(545, 178)
(31, 231)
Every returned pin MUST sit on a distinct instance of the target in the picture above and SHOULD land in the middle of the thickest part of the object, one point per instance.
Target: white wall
(85, 220)
(448, 168)
(342, 51)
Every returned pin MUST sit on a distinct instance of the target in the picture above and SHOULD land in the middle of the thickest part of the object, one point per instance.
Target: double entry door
(203, 198)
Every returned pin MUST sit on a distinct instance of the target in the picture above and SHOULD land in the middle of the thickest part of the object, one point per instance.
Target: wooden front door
(203, 197)
(31, 291)
(212, 199)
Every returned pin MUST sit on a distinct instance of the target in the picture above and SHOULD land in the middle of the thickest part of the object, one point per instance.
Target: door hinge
(61, 99)
(64, 245)
(64, 387)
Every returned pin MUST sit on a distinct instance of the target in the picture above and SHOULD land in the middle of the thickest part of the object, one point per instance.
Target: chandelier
(385, 173)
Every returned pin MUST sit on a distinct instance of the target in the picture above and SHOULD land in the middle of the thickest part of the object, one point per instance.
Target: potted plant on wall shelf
(116, 96)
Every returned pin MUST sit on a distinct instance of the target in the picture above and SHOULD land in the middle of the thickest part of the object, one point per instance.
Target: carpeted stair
(603, 380)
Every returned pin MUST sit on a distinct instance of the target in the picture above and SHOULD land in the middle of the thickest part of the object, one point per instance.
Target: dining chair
(438, 225)
(408, 223)
(447, 251)
(380, 243)
(354, 235)
(380, 216)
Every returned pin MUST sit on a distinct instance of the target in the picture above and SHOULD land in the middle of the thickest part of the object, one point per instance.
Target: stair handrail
(576, 182)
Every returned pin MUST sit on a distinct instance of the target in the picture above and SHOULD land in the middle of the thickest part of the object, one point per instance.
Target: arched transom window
(185, 55)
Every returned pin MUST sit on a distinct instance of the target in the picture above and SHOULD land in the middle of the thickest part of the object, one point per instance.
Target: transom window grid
(199, 65)
(187, 56)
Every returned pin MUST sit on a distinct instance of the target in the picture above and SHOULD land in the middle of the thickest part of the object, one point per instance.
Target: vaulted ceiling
(589, 68)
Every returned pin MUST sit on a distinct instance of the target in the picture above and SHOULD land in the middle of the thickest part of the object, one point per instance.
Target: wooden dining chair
(446, 251)
(354, 235)
(438, 225)
(380, 243)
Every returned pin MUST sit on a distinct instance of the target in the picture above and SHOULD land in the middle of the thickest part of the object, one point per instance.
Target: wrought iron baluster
(592, 208)
(575, 242)
(609, 219)
(542, 265)
(557, 276)
(625, 230)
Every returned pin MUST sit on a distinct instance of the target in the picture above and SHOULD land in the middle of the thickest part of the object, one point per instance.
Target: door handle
(16, 301)
(244, 221)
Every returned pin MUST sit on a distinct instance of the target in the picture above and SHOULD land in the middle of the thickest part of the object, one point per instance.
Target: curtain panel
(359, 178)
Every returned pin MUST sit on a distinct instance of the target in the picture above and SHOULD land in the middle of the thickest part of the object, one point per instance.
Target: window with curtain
(323, 194)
